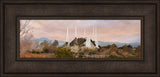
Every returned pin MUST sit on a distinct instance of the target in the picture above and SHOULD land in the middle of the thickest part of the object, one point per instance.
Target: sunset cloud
(125, 31)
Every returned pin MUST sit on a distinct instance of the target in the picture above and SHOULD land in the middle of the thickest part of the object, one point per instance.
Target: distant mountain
(118, 44)
(52, 40)
(101, 43)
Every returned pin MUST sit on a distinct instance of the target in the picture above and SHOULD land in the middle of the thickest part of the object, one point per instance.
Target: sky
(124, 31)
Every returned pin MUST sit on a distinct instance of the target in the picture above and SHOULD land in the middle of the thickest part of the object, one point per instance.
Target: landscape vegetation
(49, 49)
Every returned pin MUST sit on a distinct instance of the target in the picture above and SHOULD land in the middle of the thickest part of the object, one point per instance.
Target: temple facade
(85, 41)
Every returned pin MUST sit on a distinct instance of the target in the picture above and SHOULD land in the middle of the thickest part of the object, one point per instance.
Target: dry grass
(30, 55)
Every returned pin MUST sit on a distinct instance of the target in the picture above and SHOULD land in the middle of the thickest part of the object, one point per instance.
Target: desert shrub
(102, 49)
(133, 53)
(138, 51)
(115, 56)
(108, 46)
(131, 56)
(120, 47)
(55, 43)
(93, 52)
(45, 50)
(34, 51)
(99, 47)
(81, 55)
(29, 51)
(113, 48)
(53, 56)
(127, 48)
(65, 44)
(85, 50)
(90, 50)
(49, 46)
(119, 56)
(45, 43)
(63, 53)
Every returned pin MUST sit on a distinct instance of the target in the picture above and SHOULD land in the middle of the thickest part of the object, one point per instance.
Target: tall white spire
(84, 34)
(96, 40)
(67, 36)
(93, 34)
(75, 33)
(88, 42)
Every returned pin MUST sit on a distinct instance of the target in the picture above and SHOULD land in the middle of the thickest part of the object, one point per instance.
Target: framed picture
(85, 38)
(80, 38)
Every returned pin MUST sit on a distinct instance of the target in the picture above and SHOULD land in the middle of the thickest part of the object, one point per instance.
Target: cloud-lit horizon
(124, 31)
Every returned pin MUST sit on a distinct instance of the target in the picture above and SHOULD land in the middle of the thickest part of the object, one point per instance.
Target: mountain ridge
(101, 43)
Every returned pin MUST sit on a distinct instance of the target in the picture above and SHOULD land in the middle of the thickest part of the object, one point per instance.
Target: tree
(113, 45)
(120, 48)
(53, 46)
(65, 44)
(35, 45)
(113, 48)
(127, 48)
(55, 43)
(46, 50)
(138, 51)
(108, 46)
(45, 43)
(46, 46)
(25, 30)
(63, 53)
(26, 37)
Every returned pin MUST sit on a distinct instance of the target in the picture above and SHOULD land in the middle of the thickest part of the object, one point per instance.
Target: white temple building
(90, 43)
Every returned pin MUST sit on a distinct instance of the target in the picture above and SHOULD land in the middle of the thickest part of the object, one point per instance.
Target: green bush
(34, 52)
(90, 50)
(138, 51)
(45, 50)
(93, 52)
(119, 56)
(81, 55)
(115, 56)
(127, 48)
(107, 47)
(131, 56)
(113, 48)
(63, 53)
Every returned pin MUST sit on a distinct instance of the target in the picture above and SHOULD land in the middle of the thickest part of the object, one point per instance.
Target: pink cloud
(108, 30)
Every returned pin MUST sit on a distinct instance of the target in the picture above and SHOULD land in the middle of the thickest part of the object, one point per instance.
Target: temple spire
(67, 37)
(93, 34)
(75, 32)
(96, 40)
(84, 34)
